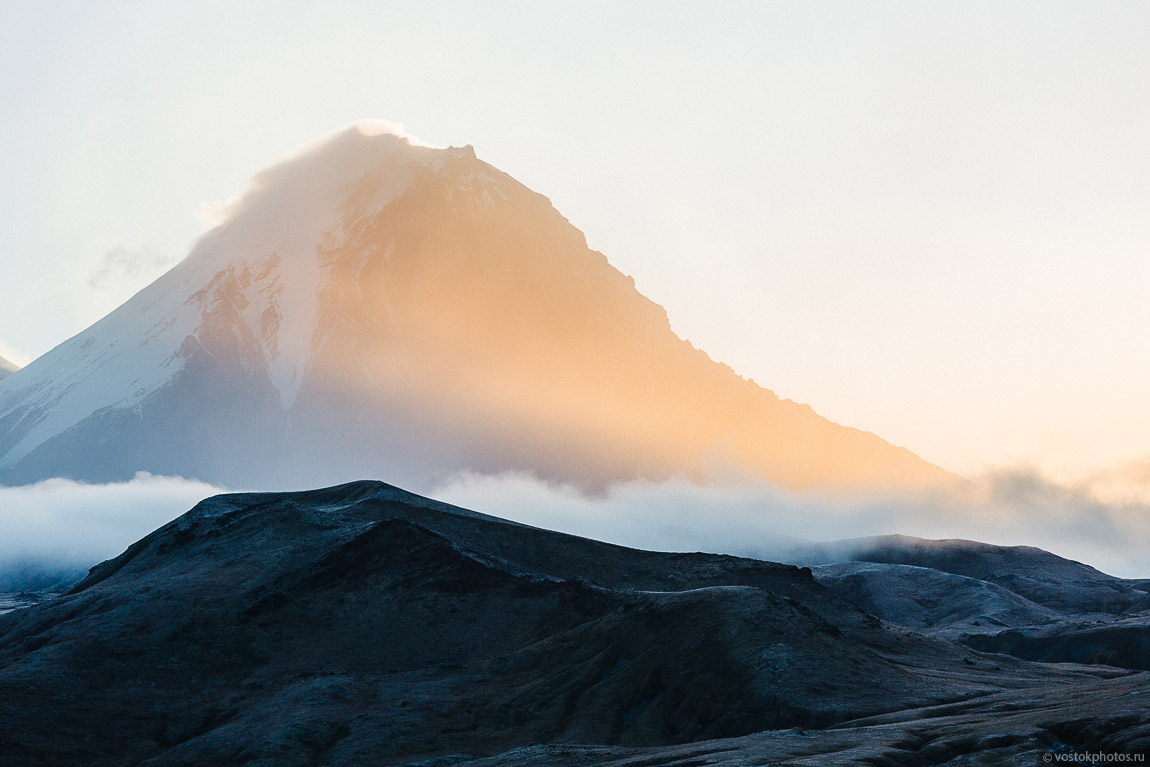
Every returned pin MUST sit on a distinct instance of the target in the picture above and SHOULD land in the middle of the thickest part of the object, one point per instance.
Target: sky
(930, 221)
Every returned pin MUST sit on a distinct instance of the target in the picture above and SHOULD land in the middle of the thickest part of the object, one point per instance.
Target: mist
(62, 524)
(1020, 507)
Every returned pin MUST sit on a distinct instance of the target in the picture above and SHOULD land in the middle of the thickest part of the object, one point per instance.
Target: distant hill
(1012, 599)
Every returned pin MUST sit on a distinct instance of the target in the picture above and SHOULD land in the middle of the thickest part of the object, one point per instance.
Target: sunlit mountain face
(371, 307)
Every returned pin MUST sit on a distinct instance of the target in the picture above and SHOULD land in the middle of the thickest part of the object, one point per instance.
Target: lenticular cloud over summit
(311, 177)
(377, 127)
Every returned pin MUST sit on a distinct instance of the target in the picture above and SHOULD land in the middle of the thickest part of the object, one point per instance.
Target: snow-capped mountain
(7, 368)
(372, 307)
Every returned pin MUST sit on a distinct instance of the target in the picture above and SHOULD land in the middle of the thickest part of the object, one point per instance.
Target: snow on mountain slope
(372, 307)
(273, 237)
(7, 368)
(261, 259)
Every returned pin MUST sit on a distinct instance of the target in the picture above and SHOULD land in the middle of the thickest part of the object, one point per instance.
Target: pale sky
(927, 220)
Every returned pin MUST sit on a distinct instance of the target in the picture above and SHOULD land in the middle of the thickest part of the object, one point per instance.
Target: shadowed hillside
(365, 625)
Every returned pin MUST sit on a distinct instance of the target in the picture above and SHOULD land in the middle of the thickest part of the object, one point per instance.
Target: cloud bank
(1021, 507)
(60, 524)
(67, 524)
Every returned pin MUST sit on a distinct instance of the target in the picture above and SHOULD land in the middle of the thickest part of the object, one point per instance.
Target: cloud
(71, 524)
(311, 174)
(1121, 483)
(214, 212)
(122, 264)
(65, 524)
(1021, 507)
(377, 127)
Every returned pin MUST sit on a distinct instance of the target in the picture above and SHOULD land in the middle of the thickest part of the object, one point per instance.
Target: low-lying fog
(65, 524)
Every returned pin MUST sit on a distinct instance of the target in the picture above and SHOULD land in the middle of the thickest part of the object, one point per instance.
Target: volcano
(373, 307)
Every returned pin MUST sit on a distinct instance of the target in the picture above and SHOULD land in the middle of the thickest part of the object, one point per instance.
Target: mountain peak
(272, 239)
(373, 306)
(315, 177)
(466, 152)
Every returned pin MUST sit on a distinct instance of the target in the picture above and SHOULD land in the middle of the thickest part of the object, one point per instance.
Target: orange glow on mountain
(471, 302)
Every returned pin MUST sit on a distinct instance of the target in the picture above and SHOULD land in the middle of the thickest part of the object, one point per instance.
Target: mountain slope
(365, 625)
(1012, 599)
(1042, 578)
(932, 601)
(373, 306)
(7, 368)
